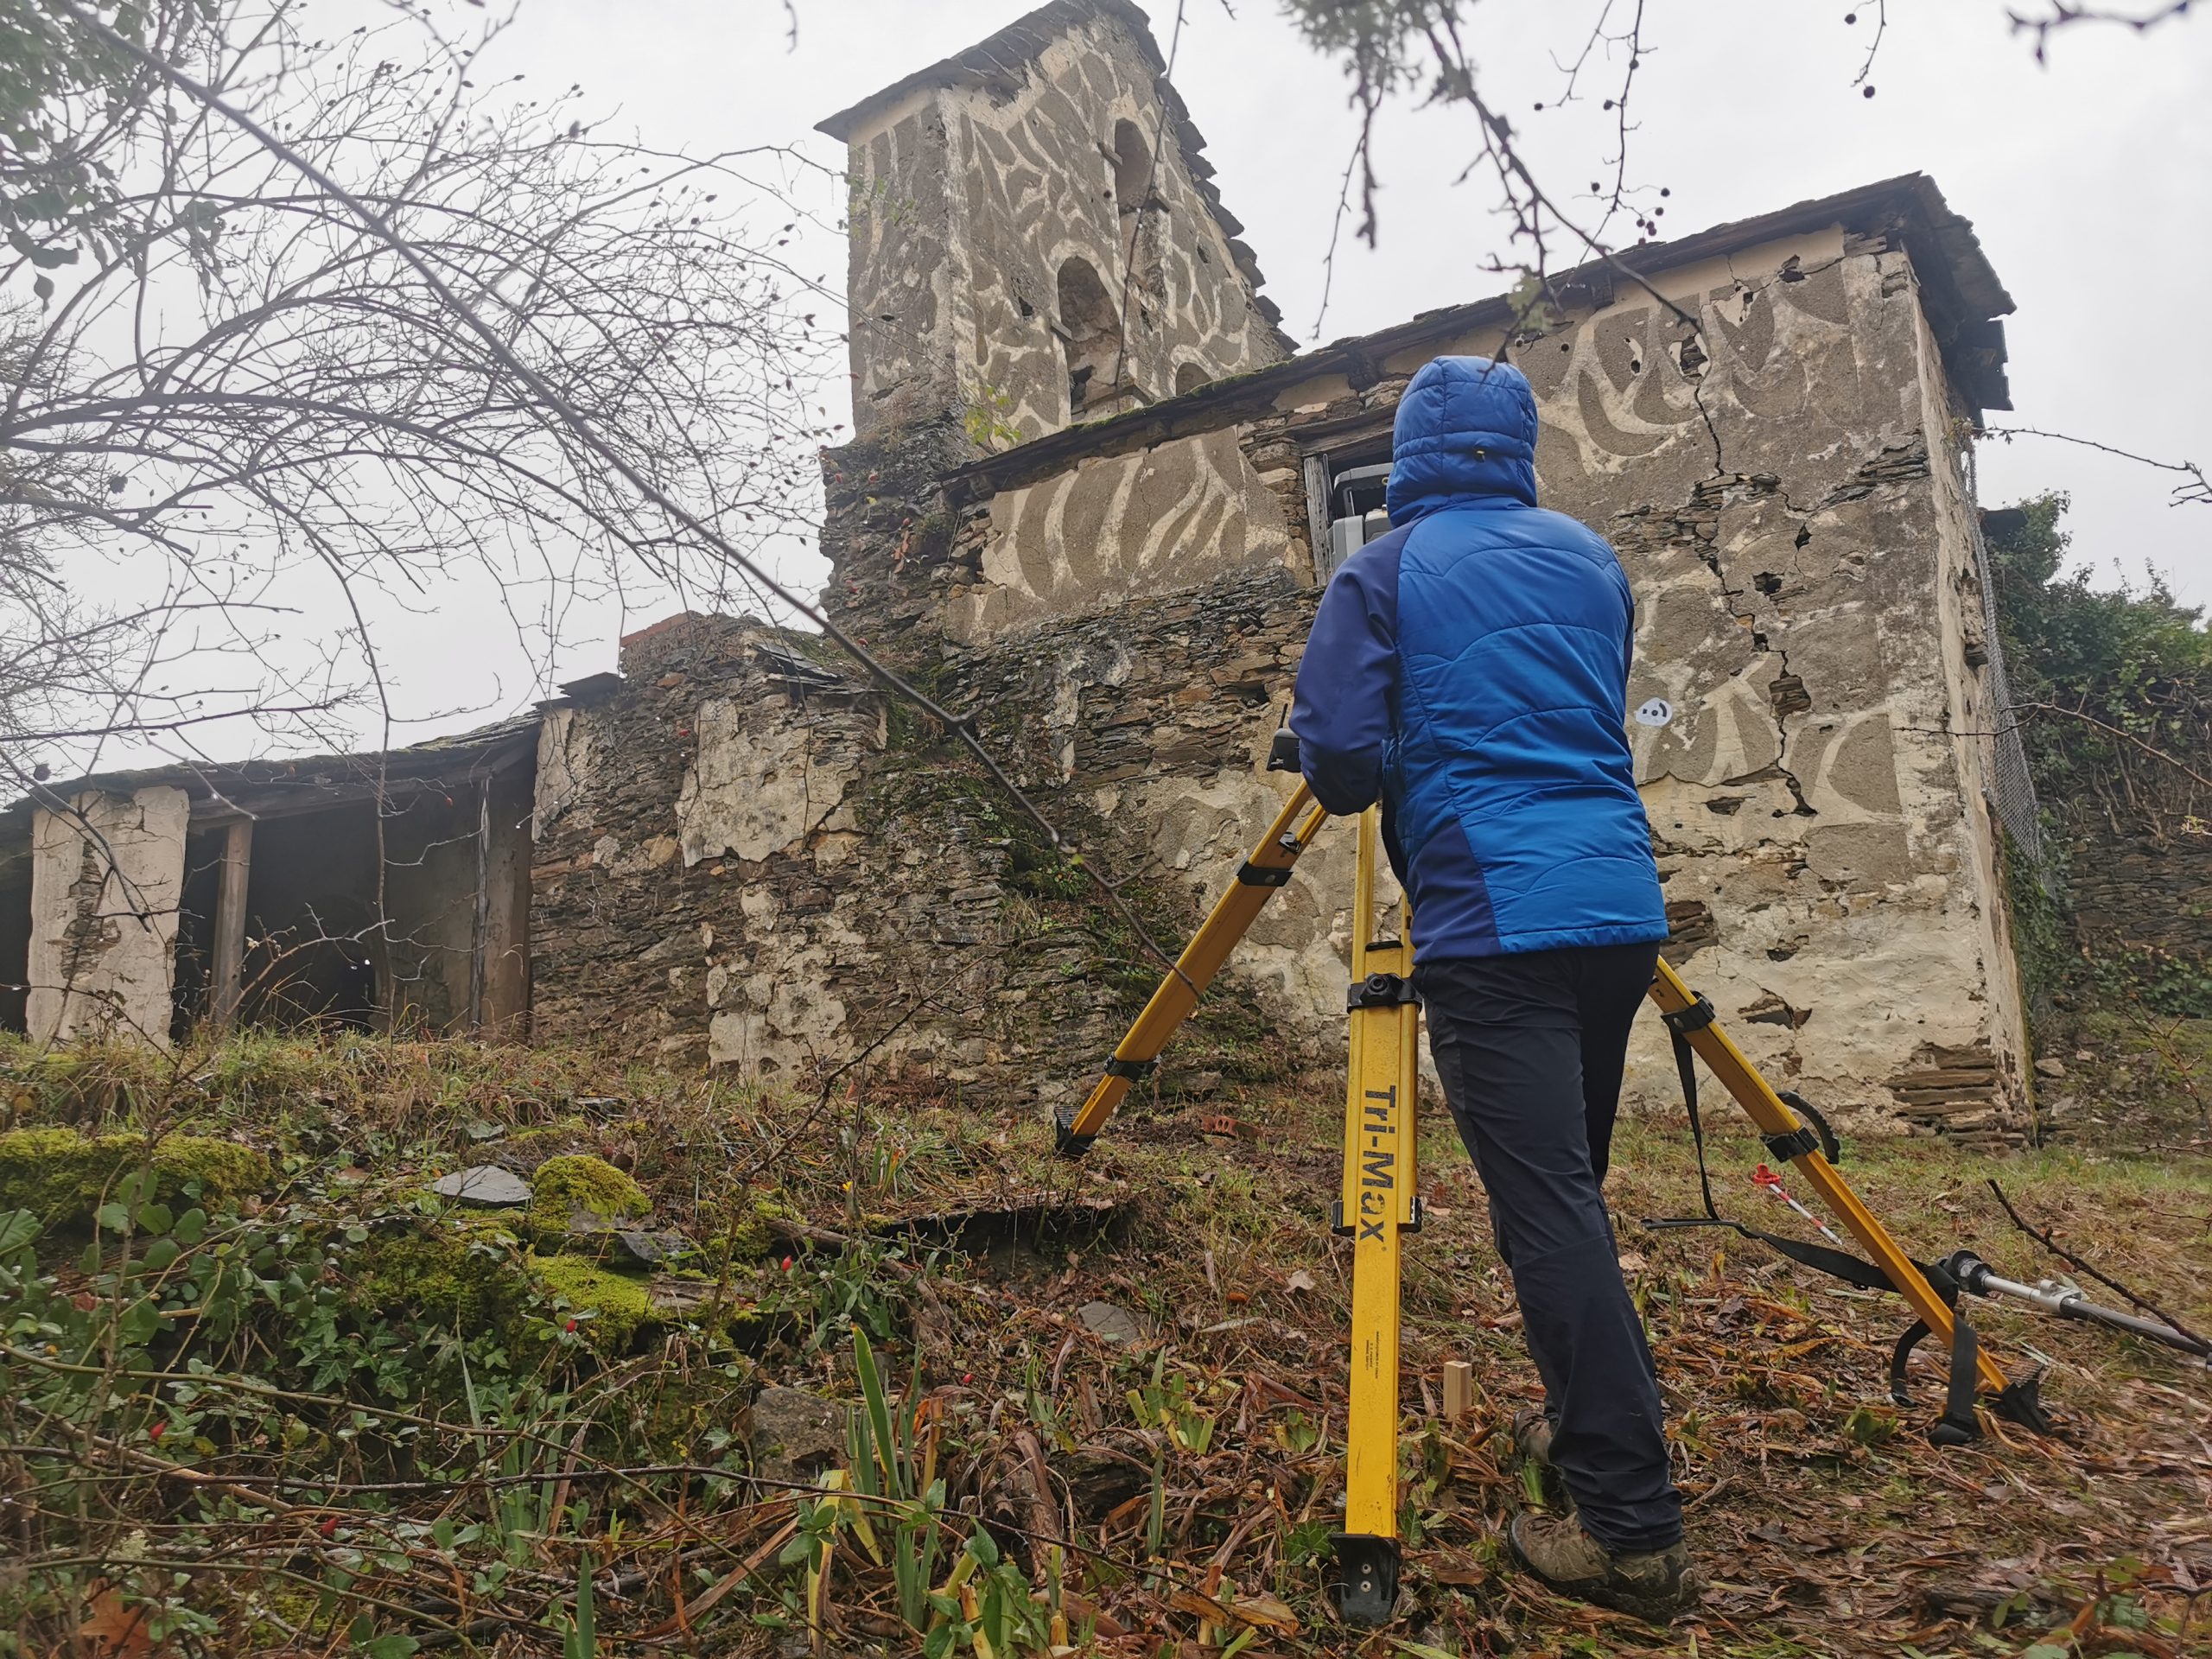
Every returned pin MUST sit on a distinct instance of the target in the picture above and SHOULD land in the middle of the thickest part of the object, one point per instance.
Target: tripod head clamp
(1970, 1270)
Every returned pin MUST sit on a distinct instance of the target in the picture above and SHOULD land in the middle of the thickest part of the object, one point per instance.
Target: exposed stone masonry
(2132, 893)
(1121, 605)
(873, 895)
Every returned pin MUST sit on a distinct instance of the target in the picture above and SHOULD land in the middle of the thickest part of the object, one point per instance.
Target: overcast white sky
(2087, 181)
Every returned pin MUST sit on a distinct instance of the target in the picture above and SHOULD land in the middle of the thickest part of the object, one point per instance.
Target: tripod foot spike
(2021, 1402)
(1366, 1586)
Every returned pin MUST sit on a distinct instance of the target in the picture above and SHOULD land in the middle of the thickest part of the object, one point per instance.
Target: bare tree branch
(557, 392)
(2195, 491)
(2059, 15)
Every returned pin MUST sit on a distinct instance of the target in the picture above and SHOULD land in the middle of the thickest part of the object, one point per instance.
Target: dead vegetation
(904, 1384)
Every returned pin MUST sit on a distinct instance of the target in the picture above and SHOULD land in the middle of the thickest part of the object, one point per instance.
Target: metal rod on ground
(1765, 1177)
(2069, 1303)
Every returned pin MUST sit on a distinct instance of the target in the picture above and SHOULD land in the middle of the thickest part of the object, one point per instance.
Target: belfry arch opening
(1132, 168)
(1091, 331)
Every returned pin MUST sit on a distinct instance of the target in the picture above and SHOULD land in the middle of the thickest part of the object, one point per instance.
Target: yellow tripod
(1378, 1203)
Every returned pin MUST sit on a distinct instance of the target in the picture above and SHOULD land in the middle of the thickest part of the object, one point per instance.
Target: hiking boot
(1532, 1436)
(1532, 1439)
(1653, 1586)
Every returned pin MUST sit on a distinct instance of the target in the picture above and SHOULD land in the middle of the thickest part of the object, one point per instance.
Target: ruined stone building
(1089, 499)
(382, 890)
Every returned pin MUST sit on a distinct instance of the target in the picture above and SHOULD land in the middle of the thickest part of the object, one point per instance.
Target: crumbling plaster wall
(107, 875)
(1821, 829)
(693, 846)
(962, 216)
(762, 866)
(1783, 484)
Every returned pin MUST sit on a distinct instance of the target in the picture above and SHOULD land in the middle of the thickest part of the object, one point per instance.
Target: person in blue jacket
(1470, 669)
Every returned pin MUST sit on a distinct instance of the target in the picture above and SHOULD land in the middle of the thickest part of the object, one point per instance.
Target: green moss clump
(62, 1177)
(618, 1305)
(296, 1606)
(749, 1238)
(745, 1230)
(576, 1180)
(463, 1269)
(474, 1271)
(544, 1142)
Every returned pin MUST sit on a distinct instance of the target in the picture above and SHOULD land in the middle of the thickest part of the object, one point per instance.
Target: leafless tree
(219, 382)
(230, 394)
(1425, 52)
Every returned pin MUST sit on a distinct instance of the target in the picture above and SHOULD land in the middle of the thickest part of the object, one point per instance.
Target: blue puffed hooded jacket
(1469, 669)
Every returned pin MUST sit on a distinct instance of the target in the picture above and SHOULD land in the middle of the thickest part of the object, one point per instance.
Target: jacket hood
(1467, 429)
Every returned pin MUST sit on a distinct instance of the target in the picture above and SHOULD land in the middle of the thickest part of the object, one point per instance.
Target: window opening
(1346, 489)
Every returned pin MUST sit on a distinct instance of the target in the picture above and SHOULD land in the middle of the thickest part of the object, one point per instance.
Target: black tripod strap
(1957, 1426)
(1685, 1068)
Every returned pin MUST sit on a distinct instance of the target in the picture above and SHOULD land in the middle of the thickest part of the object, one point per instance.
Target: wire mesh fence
(2012, 787)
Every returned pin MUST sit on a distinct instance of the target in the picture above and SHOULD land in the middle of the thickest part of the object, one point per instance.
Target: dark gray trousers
(1530, 1047)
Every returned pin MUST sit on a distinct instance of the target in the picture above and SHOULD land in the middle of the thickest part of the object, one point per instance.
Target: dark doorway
(15, 943)
(310, 915)
(195, 930)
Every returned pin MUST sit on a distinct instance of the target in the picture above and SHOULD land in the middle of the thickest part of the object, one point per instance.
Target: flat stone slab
(1111, 1321)
(650, 1248)
(484, 1184)
(795, 1435)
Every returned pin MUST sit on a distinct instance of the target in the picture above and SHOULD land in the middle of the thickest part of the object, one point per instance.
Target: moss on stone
(461, 1269)
(62, 1177)
(611, 1308)
(527, 1148)
(474, 1271)
(576, 1180)
(746, 1230)
(750, 1237)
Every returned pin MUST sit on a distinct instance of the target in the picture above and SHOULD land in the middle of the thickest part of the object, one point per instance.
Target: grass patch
(407, 1396)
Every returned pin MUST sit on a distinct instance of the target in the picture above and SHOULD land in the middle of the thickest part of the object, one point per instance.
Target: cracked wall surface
(1784, 486)
(107, 874)
(1767, 435)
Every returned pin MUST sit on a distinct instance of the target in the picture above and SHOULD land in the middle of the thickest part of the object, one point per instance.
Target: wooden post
(480, 934)
(1458, 1390)
(226, 979)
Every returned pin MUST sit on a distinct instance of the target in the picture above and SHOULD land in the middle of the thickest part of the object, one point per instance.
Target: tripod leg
(1787, 1137)
(1268, 868)
(1378, 1204)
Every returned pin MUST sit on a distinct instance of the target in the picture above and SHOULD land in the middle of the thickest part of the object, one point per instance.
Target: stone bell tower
(1035, 237)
